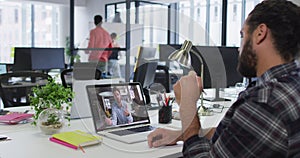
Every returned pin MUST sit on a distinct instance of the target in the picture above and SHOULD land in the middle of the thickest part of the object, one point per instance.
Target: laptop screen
(117, 105)
(3, 69)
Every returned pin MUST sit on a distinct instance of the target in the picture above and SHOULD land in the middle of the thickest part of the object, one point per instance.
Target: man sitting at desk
(265, 119)
(120, 113)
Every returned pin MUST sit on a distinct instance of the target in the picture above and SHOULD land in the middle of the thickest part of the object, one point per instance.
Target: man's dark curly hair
(282, 18)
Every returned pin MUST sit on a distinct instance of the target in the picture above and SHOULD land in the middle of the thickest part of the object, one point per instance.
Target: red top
(99, 38)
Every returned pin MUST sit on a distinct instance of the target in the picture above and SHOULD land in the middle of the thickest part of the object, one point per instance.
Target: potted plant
(51, 104)
(71, 57)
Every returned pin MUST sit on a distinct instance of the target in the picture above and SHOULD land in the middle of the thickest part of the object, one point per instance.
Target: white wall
(98, 6)
(81, 26)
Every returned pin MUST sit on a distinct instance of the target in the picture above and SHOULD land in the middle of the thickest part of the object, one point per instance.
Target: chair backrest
(68, 75)
(15, 87)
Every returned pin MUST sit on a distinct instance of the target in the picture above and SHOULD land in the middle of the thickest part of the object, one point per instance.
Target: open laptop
(80, 107)
(131, 128)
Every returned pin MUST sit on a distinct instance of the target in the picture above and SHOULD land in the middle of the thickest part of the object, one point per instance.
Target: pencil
(81, 148)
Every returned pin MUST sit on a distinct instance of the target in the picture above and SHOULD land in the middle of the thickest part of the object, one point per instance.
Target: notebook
(80, 107)
(111, 120)
(75, 139)
(14, 118)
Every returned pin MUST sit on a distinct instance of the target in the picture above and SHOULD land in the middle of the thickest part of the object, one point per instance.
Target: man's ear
(260, 33)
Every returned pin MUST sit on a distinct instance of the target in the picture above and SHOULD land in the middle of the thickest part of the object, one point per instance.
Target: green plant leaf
(52, 95)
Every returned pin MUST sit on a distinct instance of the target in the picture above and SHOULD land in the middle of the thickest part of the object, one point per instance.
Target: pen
(81, 148)
(165, 97)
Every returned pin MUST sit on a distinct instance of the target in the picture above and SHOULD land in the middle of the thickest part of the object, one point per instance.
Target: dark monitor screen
(145, 66)
(48, 58)
(38, 59)
(22, 59)
(230, 58)
(145, 54)
(220, 64)
(220, 67)
(165, 50)
(145, 74)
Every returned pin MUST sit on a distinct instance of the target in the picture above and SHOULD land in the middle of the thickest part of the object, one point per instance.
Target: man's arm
(249, 131)
(114, 116)
(128, 116)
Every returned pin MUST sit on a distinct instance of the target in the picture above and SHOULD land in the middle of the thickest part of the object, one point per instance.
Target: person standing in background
(99, 38)
(113, 65)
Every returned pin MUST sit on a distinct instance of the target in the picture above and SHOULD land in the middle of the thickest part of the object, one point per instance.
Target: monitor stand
(217, 97)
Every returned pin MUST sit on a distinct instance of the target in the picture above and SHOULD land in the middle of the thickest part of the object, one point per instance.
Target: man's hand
(188, 89)
(126, 113)
(177, 88)
(108, 121)
(161, 137)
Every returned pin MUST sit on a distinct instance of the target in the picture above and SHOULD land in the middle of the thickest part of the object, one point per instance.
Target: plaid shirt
(263, 122)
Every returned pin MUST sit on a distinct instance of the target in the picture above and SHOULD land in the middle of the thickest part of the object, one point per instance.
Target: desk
(28, 141)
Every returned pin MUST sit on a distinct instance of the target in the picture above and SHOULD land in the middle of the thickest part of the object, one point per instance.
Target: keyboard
(133, 130)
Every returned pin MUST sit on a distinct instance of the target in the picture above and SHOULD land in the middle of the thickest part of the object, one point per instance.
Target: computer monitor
(230, 57)
(165, 50)
(145, 74)
(38, 59)
(220, 68)
(145, 68)
(144, 55)
(220, 65)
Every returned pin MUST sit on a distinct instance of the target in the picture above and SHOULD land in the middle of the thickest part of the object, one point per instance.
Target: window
(234, 14)
(149, 18)
(205, 29)
(0, 16)
(16, 30)
(216, 13)
(235, 19)
(16, 16)
(234, 23)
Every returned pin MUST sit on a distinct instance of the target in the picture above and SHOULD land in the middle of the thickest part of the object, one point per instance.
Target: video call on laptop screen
(115, 105)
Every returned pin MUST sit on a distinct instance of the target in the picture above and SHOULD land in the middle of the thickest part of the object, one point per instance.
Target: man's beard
(247, 61)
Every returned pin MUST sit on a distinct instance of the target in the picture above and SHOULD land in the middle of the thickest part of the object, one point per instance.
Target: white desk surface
(28, 141)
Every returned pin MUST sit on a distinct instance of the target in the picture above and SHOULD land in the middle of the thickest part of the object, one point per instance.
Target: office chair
(68, 75)
(15, 87)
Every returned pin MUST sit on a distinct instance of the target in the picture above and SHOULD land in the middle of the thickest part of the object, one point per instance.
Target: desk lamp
(183, 57)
